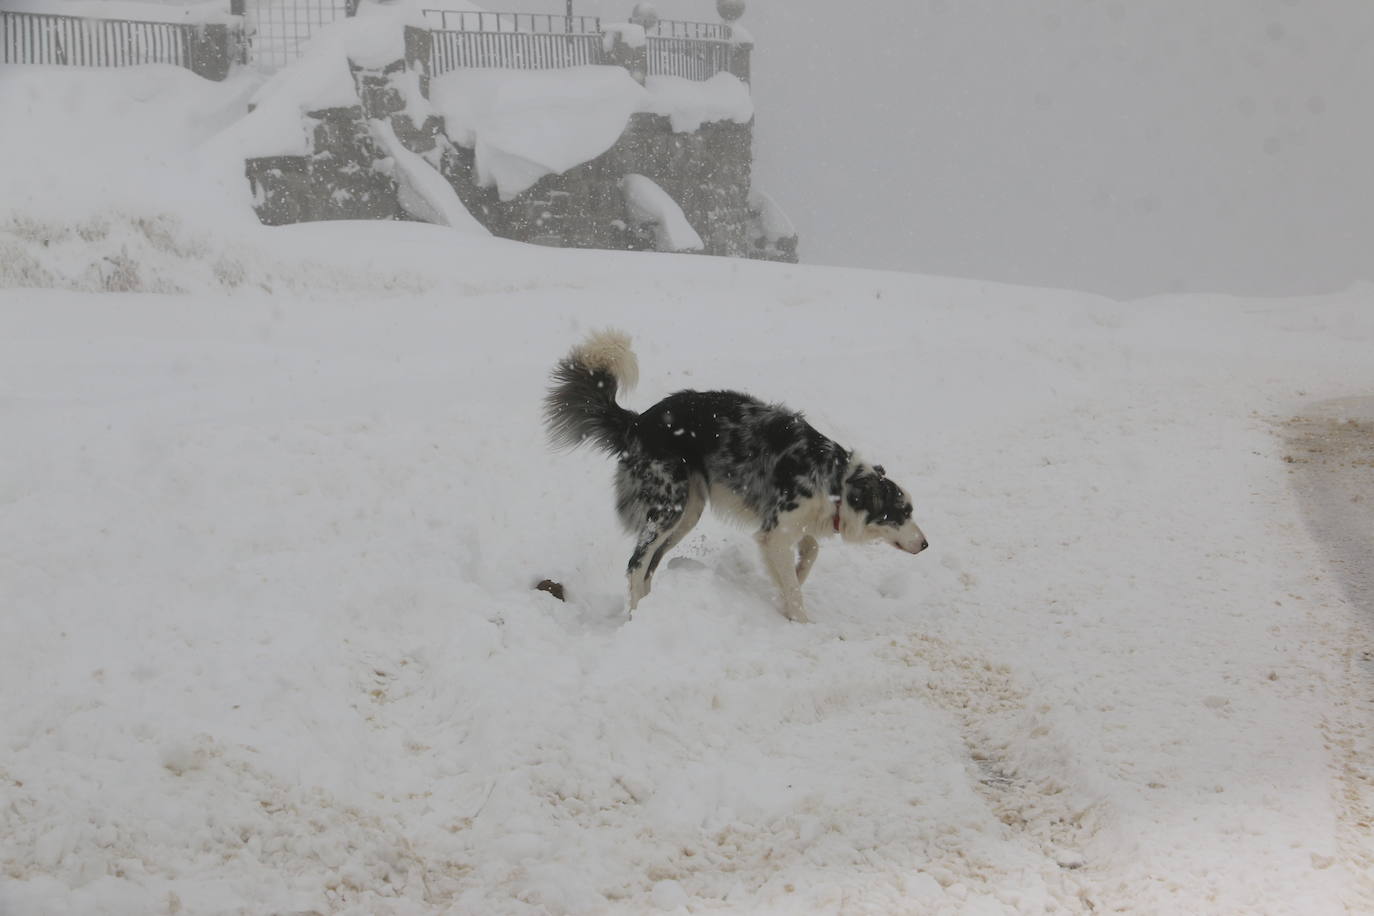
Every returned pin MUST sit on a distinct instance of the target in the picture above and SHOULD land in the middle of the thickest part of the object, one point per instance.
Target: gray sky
(1124, 147)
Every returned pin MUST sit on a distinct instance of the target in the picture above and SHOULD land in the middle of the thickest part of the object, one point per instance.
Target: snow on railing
(484, 21)
(512, 41)
(681, 28)
(543, 41)
(278, 29)
(695, 50)
(80, 41)
(461, 40)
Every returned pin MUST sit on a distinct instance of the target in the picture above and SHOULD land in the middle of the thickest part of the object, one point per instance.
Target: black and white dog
(759, 463)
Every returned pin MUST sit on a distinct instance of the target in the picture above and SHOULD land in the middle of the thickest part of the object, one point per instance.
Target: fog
(1125, 148)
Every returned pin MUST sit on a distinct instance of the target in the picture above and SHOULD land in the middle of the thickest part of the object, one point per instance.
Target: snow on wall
(772, 220)
(528, 124)
(691, 103)
(524, 125)
(424, 193)
(648, 204)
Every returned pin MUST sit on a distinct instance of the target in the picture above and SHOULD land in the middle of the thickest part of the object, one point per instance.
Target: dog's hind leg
(806, 556)
(691, 514)
(653, 499)
(777, 557)
(651, 545)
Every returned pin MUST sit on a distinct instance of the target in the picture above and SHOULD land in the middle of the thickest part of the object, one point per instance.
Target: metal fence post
(209, 50)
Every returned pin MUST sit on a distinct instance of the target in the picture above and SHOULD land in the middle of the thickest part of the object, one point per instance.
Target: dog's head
(874, 508)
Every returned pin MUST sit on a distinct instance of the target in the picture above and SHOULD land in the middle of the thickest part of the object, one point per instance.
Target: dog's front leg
(777, 557)
(806, 555)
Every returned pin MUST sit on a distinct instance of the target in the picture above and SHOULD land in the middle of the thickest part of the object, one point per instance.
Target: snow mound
(773, 222)
(121, 140)
(650, 205)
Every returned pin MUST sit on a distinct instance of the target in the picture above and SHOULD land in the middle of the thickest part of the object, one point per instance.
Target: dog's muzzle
(915, 549)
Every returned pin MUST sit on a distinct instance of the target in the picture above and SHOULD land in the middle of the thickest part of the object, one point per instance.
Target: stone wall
(707, 172)
(339, 179)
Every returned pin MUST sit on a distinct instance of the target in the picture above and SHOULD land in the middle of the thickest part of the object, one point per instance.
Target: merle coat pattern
(759, 463)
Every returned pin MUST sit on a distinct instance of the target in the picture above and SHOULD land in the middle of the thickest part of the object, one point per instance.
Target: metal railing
(546, 41)
(278, 28)
(547, 23)
(691, 58)
(681, 28)
(516, 41)
(75, 41)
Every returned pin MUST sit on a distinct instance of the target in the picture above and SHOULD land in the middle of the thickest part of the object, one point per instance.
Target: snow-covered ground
(271, 518)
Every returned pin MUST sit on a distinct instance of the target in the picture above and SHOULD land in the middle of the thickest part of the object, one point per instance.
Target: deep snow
(269, 642)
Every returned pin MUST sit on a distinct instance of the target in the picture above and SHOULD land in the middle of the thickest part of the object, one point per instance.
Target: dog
(759, 463)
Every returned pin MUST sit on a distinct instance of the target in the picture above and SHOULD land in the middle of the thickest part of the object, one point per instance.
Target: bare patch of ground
(1331, 453)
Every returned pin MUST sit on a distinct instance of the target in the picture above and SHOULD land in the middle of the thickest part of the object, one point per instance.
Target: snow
(528, 124)
(772, 220)
(268, 636)
(321, 79)
(740, 36)
(691, 103)
(424, 193)
(142, 122)
(625, 33)
(648, 204)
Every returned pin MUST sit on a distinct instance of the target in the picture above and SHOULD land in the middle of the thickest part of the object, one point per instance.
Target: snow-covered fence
(539, 41)
(278, 28)
(695, 50)
(515, 41)
(78, 41)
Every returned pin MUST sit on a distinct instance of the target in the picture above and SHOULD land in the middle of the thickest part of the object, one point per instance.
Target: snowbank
(132, 180)
(95, 141)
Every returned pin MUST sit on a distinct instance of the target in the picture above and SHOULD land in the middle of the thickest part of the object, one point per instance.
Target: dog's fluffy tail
(580, 406)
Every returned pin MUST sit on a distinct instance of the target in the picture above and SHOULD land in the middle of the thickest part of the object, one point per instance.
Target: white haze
(1125, 148)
